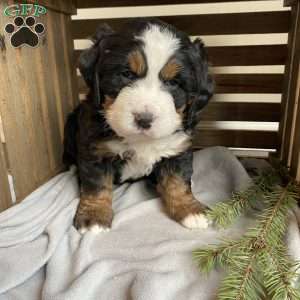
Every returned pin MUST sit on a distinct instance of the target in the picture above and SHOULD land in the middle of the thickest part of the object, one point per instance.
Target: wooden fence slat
(248, 83)
(210, 24)
(117, 3)
(242, 55)
(295, 159)
(234, 83)
(294, 95)
(66, 6)
(291, 88)
(255, 112)
(5, 197)
(35, 124)
(235, 138)
(247, 55)
(33, 114)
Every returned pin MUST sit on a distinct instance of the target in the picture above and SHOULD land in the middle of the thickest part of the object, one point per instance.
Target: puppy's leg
(174, 186)
(94, 212)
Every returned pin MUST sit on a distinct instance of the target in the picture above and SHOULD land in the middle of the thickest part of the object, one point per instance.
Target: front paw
(93, 219)
(195, 221)
(193, 216)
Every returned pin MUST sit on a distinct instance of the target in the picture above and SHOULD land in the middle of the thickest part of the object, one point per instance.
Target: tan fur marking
(178, 198)
(101, 148)
(108, 101)
(136, 62)
(170, 70)
(96, 208)
(180, 111)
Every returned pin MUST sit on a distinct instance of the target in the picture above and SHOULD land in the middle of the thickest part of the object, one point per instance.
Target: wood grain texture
(36, 95)
(211, 24)
(235, 138)
(234, 83)
(117, 3)
(67, 6)
(241, 55)
(295, 158)
(256, 112)
(248, 83)
(290, 92)
(5, 197)
(247, 55)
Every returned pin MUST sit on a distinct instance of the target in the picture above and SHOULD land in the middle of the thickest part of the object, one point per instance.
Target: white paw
(94, 229)
(195, 221)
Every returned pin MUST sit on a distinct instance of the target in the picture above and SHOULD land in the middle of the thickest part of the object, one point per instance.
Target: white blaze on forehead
(148, 94)
(159, 46)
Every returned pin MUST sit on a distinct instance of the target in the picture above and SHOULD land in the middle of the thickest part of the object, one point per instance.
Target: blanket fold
(145, 256)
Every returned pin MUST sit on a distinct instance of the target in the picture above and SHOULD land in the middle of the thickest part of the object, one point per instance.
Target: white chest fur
(144, 154)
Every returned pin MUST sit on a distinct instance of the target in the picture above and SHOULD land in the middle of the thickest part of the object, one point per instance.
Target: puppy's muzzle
(143, 120)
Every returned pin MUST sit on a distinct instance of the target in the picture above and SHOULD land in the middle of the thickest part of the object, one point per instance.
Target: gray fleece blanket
(146, 256)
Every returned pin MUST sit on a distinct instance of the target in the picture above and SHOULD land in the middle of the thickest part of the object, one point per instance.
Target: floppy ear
(89, 58)
(203, 84)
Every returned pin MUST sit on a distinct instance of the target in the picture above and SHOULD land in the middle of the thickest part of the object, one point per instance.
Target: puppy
(148, 83)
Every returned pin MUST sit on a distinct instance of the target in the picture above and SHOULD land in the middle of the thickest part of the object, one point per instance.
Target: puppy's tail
(70, 143)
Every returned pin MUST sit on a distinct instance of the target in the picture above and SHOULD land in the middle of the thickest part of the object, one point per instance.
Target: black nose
(143, 120)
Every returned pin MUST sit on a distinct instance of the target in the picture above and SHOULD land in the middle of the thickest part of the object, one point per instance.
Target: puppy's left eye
(129, 74)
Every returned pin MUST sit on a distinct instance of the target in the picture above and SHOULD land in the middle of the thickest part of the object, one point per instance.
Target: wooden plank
(45, 66)
(248, 83)
(70, 60)
(289, 2)
(295, 156)
(67, 6)
(247, 55)
(235, 138)
(57, 79)
(234, 83)
(63, 72)
(119, 3)
(256, 112)
(34, 113)
(242, 55)
(211, 24)
(290, 89)
(5, 197)
(16, 116)
(34, 119)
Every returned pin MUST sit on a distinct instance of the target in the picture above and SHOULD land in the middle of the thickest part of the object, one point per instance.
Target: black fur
(104, 67)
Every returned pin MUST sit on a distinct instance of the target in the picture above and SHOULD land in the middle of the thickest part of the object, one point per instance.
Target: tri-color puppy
(148, 83)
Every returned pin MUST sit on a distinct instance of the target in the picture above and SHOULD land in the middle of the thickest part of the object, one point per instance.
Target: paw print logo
(24, 31)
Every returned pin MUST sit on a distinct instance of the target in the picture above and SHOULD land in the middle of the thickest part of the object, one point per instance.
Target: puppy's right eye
(129, 74)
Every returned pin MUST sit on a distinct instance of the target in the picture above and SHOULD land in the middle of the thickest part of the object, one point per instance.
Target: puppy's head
(150, 80)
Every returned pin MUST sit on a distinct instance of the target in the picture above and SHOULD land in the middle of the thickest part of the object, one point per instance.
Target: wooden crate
(37, 91)
(33, 113)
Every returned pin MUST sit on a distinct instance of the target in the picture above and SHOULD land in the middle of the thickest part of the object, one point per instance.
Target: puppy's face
(150, 79)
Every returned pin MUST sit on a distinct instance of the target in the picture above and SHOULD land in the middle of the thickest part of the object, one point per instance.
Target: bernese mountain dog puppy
(148, 82)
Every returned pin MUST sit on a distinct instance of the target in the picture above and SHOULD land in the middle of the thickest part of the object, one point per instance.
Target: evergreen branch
(279, 272)
(273, 218)
(258, 261)
(216, 255)
(272, 223)
(242, 281)
(224, 213)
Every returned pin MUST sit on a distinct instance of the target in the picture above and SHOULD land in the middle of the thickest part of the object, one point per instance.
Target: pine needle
(257, 264)
(224, 213)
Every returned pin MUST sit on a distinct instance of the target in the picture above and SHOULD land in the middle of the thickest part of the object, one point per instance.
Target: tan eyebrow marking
(170, 69)
(108, 101)
(137, 62)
